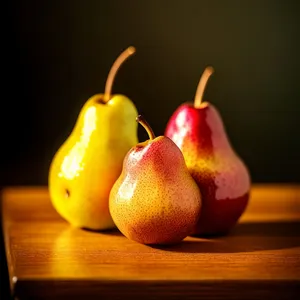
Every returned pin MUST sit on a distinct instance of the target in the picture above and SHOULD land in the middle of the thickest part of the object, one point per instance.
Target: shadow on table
(112, 231)
(268, 229)
(245, 237)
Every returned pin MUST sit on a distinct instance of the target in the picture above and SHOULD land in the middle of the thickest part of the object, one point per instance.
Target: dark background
(58, 53)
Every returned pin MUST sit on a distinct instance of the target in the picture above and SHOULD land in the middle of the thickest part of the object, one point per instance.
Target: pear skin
(86, 166)
(155, 200)
(222, 176)
(89, 162)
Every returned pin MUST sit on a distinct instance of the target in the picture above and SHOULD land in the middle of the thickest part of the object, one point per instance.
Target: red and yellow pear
(155, 200)
(223, 178)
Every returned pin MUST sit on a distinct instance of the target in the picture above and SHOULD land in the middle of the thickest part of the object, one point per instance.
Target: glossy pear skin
(221, 175)
(155, 200)
(89, 162)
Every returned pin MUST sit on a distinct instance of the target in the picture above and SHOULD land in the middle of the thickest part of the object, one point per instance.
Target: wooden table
(48, 258)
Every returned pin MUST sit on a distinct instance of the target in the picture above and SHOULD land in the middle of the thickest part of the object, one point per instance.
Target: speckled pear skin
(221, 175)
(155, 200)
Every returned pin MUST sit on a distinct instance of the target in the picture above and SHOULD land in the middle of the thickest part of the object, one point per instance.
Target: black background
(58, 53)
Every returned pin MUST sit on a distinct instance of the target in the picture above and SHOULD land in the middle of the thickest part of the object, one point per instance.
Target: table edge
(156, 288)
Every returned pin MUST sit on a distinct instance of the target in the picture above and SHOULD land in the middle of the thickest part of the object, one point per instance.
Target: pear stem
(113, 71)
(146, 125)
(201, 86)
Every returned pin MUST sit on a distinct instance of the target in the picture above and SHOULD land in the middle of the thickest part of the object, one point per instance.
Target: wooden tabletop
(47, 258)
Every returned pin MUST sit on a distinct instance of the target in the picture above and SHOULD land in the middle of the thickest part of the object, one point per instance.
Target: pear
(89, 162)
(155, 200)
(222, 176)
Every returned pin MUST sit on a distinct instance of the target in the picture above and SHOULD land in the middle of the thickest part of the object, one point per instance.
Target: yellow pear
(88, 163)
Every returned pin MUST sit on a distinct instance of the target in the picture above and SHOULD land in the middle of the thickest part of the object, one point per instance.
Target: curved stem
(114, 69)
(146, 125)
(201, 86)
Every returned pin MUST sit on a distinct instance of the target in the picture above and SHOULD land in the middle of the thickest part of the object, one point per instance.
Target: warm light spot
(89, 124)
(73, 162)
(181, 123)
(127, 189)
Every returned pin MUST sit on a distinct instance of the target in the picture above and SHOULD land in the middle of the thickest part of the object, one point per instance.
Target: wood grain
(50, 259)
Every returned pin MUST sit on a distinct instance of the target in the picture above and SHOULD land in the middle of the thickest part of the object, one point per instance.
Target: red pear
(223, 178)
